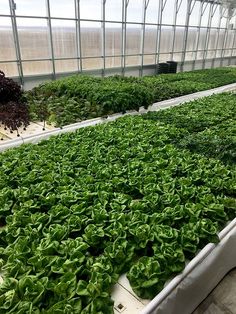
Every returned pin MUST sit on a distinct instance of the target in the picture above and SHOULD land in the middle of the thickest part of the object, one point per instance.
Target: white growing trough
(188, 289)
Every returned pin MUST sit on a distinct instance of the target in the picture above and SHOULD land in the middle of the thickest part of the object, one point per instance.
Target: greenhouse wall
(46, 39)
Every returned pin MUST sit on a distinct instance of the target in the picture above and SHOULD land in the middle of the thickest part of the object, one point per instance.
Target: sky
(91, 9)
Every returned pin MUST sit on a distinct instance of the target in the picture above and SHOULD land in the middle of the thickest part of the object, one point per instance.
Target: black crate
(162, 68)
(172, 66)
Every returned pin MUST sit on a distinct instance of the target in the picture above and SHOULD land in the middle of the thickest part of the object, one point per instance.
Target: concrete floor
(222, 300)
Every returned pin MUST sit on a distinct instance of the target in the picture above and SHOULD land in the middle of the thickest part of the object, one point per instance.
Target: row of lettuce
(82, 97)
(207, 126)
(83, 208)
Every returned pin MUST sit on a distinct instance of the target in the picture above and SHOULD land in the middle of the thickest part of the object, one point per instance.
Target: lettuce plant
(85, 207)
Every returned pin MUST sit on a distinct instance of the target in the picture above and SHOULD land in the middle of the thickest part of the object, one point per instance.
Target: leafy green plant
(86, 207)
(207, 124)
(81, 97)
(13, 110)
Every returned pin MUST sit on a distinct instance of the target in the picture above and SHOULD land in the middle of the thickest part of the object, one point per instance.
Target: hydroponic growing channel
(81, 97)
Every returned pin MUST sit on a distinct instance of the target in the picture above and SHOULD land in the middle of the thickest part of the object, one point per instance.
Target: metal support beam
(78, 35)
(50, 38)
(190, 6)
(201, 12)
(145, 6)
(210, 17)
(217, 39)
(176, 11)
(16, 41)
(103, 37)
(233, 46)
(161, 7)
(125, 4)
(226, 33)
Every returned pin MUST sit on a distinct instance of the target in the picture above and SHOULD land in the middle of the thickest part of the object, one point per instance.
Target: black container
(172, 66)
(162, 68)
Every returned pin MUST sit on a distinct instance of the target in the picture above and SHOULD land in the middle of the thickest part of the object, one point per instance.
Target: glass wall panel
(205, 15)
(9, 68)
(200, 54)
(92, 63)
(90, 9)
(113, 38)
(31, 7)
(113, 62)
(212, 39)
(149, 59)
(134, 11)
(227, 53)
(168, 13)
(221, 39)
(165, 57)
(37, 67)
(190, 55)
(152, 12)
(202, 39)
(150, 39)
(132, 60)
(216, 17)
(223, 22)
(177, 56)
(179, 39)
(167, 39)
(192, 38)
(7, 51)
(5, 9)
(64, 38)
(63, 8)
(33, 38)
(218, 53)
(194, 17)
(234, 41)
(210, 54)
(113, 10)
(230, 38)
(69, 65)
(181, 17)
(91, 39)
(133, 39)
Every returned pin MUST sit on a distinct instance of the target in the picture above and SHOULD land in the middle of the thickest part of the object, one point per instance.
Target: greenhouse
(117, 156)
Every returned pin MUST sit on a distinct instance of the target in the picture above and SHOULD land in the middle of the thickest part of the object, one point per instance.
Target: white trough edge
(201, 256)
(189, 97)
(154, 107)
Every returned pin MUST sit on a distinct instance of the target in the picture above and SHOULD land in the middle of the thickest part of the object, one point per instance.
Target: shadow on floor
(222, 300)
